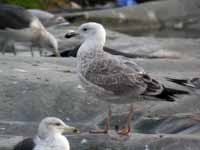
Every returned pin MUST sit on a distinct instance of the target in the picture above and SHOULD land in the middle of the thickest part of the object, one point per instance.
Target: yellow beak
(71, 130)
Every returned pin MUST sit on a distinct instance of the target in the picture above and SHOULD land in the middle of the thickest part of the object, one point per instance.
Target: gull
(17, 24)
(192, 84)
(112, 79)
(49, 136)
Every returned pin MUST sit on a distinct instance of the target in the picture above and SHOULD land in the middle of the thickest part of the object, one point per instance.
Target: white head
(51, 126)
(90, 32)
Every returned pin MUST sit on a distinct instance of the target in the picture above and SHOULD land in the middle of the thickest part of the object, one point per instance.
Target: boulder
(181, 16)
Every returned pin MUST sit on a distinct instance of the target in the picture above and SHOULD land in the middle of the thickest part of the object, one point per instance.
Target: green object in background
(40, 4)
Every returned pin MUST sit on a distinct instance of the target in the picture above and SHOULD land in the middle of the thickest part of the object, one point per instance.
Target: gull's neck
(38, 30)
(92, 45)
(90, 49)
(43, 133)
(57, 141)
(51, 137)
(36, 24)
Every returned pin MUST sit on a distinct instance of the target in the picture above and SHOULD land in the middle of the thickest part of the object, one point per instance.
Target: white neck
(36, 24)
(56, 141)
(93, 43)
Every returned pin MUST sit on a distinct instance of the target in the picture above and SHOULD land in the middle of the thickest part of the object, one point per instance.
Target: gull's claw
(124, 131)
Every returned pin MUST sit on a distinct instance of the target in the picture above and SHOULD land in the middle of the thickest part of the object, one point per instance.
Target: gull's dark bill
(71, 34)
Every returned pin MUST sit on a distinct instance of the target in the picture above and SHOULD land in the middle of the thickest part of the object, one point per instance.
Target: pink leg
(127, 130)
(107, 124)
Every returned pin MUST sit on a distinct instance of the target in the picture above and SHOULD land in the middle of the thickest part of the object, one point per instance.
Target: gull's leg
(107, 124)
(4, 47)
(108, 120)
(32, 54)
(13, 48)
(127, 130)
(40, 50)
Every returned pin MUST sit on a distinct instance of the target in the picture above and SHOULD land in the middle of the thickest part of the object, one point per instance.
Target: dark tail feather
(170, 94)
(178, 81)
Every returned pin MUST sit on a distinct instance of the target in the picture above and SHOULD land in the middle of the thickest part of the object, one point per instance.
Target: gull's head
(53, 126)
(89, 31)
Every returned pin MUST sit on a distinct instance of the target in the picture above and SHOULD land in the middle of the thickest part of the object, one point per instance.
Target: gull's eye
(58, 124)
(85, 29)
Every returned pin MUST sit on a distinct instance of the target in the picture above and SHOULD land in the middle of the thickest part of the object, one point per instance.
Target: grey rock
(135, 141)
(172, 48)
(33, 88)
(175, 15)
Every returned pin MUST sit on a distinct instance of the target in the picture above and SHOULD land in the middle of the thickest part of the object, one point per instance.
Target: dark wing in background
(14, 17)
(26, 144)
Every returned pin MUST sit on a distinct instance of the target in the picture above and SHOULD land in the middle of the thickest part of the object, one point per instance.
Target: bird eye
(58, 124)
(85, 29)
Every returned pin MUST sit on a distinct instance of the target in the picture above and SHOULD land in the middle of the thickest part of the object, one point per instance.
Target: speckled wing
(120, 77)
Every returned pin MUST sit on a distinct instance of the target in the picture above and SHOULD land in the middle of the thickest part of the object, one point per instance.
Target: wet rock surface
(33, 88)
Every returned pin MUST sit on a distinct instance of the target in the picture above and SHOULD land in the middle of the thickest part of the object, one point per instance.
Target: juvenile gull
(113, 79)
(14, 21)
(49, 136)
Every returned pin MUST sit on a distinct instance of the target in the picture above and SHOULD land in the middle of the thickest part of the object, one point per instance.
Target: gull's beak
(71, 34)
(69, 129)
